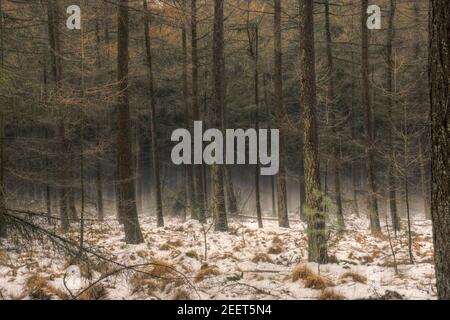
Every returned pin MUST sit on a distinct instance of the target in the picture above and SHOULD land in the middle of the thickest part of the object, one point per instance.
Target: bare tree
(389, 121)
(3, 225)
(439, 71)
(372, 202)
(333, 112)
(217, 172)
(199, 177)
(133, 234)
(317, 238)
(188, 169)
(283, 219)
(153, 132)
(56, 55)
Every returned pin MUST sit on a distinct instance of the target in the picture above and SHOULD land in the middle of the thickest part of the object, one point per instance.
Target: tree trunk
(56, 52)
(232, 208)
(389, 122)
(419, 97)
(3, 220)
(217, 173)
(439, 70)
(253, 42)
(301, 180)
(424, 181)
(200, 186)
(369, 130)
(353, 165)
(48, 199)
(133, 233)
(189, 169)
(269, 117)
(3, 225)
(98, 161)
(99, 184)
(317, 238)
(333, 112)
(153, 131)
(283, 219)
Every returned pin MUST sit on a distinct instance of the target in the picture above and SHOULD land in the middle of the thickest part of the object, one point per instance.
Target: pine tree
(133, 233)
(283, 219)
(439, 71)
(369, 129)
(317, 238)
(221, 223)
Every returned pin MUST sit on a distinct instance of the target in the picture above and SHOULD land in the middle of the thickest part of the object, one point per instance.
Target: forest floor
(245, 263)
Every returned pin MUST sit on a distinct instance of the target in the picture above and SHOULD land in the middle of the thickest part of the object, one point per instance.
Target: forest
(223, 150)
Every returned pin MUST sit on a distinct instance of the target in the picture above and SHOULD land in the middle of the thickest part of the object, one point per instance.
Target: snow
(245, 263)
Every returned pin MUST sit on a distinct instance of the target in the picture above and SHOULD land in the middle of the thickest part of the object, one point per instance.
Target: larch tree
(56, 63)
(332, 107)
(317, 237)
(217, 171)
(283, 219)
(199, 177)
(188, 169)
(252, 29)
(98, 160)
(153, 131)
(3, 225)
(372, 201)
(439, 75)
(391, 183)
(133, 234)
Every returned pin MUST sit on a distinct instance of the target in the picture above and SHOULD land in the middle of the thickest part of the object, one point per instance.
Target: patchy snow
(245, 263)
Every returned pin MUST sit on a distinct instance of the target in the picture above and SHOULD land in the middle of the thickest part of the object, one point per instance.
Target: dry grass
(355, 277)
(181, 294)
(311, 280)
(317, 282)
(39, 288)
(277, 246)
(160, 269)
(4, 259)
(164, 247)
(206, 272)
(275, 249)
(97, 292)
(277, 240)
(329, 294)
(261, 257)
(141, 282)
(152, 278)
(176, 243)
(301, 273)
(192, 254)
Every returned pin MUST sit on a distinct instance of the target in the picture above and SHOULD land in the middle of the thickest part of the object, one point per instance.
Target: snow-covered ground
(245, 263)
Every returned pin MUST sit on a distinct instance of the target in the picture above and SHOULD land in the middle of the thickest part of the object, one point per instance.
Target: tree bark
(189, 169)
(317, 238)
(99, 184)
(269, 117)
(283, 219)
(253, 42)
(199, 178)
(424, 181)
(217, 173)
(389, 121)
(153, 131)
(55, 50)
(333, 112)
(439, 71)
(369, 128)
(3, 224)
(133, 233)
